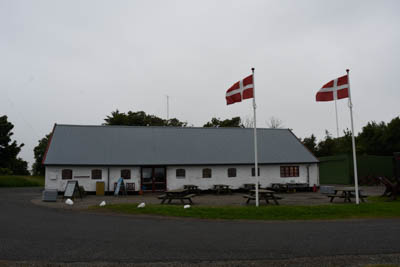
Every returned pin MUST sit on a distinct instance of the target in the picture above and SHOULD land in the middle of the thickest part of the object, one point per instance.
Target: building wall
(53, 177)
(268, 174)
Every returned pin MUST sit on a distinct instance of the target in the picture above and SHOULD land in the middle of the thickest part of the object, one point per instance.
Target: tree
(216, 122)
(140, 118)
(274, 123)
(39, 151)
(9, 163)
(371, 140)
(326, 147)
(310, 143)
(380, 138)
(392, 136)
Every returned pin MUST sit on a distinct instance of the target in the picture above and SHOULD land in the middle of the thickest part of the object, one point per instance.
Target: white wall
(268, 174)
(53, 177)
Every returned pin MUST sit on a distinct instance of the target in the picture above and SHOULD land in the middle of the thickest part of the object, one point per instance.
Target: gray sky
(74, 62)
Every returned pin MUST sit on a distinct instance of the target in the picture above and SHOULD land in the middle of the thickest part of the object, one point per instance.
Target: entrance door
(154, 179)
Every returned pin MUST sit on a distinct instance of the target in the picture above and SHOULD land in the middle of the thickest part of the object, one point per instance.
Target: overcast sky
(74, 62)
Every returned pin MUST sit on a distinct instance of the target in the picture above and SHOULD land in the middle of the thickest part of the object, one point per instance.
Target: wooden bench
(266, 198)
(180, 197)
(333, 196)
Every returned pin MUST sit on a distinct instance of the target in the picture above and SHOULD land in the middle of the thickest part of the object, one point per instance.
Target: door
(154, 179)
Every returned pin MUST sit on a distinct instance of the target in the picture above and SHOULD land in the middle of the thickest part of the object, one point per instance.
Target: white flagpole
(353, 141)
(255, 140)
(337, 122)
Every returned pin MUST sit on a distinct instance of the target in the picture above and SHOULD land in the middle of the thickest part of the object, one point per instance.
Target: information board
(120, 184)
(70, 189)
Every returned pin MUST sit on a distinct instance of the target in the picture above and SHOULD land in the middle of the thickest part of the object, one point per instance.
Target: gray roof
(135, 145)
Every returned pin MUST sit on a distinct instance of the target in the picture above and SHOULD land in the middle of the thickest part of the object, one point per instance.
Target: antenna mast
(167, 107)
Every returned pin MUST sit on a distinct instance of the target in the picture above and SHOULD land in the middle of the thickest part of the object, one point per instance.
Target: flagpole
(353, 141)
(255, 140)
(337, 122)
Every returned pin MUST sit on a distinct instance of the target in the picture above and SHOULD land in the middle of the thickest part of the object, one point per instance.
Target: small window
(290, 171)
(126, 174)
(66, 174)
(253, 170)
(231, 172)
(207, 173)
(180, 173)
(96, 174)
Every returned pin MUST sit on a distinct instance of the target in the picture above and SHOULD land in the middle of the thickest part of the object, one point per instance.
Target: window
(180, 173)
(253, 170)
(207, 173)
(290, 171)
(126, 174)
(66, 174)
(96, 174)
(231, 172)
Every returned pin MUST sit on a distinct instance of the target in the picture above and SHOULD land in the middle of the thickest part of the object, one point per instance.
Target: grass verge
(377, 208)
(21, 181)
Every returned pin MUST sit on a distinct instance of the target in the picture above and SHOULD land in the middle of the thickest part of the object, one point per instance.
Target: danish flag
(241, 90)
(335, 89)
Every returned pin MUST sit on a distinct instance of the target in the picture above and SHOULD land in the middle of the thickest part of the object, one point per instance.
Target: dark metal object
(50, 195)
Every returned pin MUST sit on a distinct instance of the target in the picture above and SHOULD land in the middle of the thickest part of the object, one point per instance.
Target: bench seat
(266, 198)
(333, 196)
(179, 197)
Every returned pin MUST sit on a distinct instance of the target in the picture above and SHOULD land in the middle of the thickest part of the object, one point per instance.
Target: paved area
(207, 199)
(31, 234)
(342, 260)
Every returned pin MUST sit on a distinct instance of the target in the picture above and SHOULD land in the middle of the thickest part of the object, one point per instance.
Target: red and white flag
(335, 89)
(241, 90)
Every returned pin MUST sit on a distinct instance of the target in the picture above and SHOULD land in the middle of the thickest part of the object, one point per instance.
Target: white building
(165, 158)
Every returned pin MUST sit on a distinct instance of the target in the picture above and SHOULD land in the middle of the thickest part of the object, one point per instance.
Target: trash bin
(100, 188)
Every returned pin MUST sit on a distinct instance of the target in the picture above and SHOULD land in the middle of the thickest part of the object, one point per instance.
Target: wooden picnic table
(347, 193)
(222, 188)
(250, 186)
(179, 194)
(191, 188)
(263, 194)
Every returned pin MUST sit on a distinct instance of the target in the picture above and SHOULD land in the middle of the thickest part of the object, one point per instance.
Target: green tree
(310, 143)
(9, 150)
(140, 118)
(371, 140)
(343, 144)
(216, 122)
(326, 147)
(392, 136)
(39, 151)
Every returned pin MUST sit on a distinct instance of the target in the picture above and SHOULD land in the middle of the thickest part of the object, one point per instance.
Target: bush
(20, 181)
(5, 171)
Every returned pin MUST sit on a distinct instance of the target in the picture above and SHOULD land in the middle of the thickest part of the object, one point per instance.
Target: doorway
(153, 179)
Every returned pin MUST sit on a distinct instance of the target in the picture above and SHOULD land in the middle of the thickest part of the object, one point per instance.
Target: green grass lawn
(21, 181)
(375, 208)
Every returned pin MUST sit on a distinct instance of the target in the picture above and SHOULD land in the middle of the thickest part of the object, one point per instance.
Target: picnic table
(191, 188)
(222, 188)
(263, 194)
(249, 187)
(179, 194)
(289, 187)
(347, 193)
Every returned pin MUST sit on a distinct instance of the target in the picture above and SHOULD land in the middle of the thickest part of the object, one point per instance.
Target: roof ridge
(171, 127)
